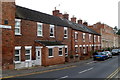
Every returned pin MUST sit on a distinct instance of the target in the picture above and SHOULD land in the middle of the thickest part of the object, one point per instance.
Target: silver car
(115, 51)
(108, 53)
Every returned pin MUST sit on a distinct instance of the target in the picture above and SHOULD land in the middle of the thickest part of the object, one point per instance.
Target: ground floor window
(60, 52)
(76, 49)
(50, 52)
(66, 51)
(17, 54)
(84, 50)
(28, 53)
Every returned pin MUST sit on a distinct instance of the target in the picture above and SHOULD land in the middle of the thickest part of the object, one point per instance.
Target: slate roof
(28, 14)
(74, 26)
(50, 43)
(32, 15)
(80, 27)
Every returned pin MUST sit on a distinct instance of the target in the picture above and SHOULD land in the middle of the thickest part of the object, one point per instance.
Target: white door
(38, 56)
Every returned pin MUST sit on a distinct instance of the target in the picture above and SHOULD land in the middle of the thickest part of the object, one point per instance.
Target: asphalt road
(93, 70)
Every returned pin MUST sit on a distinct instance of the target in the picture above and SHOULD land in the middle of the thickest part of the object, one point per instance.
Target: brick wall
(8, 13)
(56, 59)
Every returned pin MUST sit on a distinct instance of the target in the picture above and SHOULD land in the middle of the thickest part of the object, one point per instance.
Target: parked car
(115, 51)
(119, 51)
(100, 56)
(108, 53)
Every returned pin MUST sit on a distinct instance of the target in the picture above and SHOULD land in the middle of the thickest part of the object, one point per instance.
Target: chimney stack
(79, 21)
(85, 23)
(66, 16)
(60, 15)
(56, 12)
(73, 19)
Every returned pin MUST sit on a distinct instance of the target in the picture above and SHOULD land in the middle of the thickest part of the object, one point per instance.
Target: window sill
(39, 36)
(50, 56)
(52, 36)
(65, 37)
(27, 60)
(60, 55)
(17, 62)
(18, 34)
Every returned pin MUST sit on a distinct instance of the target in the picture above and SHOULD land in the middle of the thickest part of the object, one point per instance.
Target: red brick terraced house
(32, 38)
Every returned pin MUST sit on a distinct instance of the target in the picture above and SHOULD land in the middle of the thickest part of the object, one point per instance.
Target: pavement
(11, 73)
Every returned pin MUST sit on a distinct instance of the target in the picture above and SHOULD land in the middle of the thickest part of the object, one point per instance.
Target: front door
(38, 56)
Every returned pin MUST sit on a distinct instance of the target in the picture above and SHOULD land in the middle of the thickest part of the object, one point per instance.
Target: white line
(91, 62)
(85, 70)
(62, 78)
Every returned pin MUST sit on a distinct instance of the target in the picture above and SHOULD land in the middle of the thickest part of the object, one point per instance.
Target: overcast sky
(92, 11)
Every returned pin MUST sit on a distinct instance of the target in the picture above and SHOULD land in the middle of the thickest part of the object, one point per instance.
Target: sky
(92, 11)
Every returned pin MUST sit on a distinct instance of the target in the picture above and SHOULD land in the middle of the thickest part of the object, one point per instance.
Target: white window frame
(76, 36)
(18, 48)
(94, 38)
(60, 50)
(52, 53)
(39, 30)
(84, 50)
(16, 27)
(90, 37)
(66, 54)
(28, 48)
(53, 27)
(76, 51)
(84, 35)
(65, 28)
(98, 38)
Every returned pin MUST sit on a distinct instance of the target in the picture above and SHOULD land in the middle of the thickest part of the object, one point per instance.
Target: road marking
(113, 74)
(91, 62)
(62, 78)
(27, 74)
(85, 70)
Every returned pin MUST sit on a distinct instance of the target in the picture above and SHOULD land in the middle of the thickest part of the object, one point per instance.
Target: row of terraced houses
(31, 38)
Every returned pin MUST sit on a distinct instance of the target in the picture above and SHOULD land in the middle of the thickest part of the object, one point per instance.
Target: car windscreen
(115, 50)
(101, 53)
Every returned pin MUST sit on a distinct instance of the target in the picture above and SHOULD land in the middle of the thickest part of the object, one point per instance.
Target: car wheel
(94, 59)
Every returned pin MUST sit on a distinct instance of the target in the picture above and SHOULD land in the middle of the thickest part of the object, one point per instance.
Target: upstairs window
(94, 38)
(51, 30)
(83, 37)
(90, 37)
(39, 29)
(76, 36)
(65, 32)
(98, 38)
(17, 27)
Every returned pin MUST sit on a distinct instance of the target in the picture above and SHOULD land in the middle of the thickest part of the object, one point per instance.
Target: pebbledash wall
(38, 39)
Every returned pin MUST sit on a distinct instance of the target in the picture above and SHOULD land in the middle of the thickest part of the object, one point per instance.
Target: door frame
(36, 49)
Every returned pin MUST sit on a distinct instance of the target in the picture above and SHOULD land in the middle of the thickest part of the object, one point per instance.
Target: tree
(118, 32)
(115, 29)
